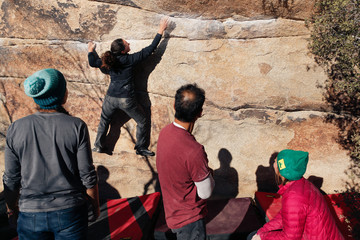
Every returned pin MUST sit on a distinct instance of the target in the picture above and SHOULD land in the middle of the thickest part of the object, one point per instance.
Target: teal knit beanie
(47, 87)
(292, 164)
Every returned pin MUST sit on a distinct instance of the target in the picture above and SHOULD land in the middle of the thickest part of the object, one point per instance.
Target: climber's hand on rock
(91, 46)
(163, 25)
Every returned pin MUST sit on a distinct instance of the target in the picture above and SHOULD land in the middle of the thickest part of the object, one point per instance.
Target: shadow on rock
(226, 177)
(106, 191)
(265, 176)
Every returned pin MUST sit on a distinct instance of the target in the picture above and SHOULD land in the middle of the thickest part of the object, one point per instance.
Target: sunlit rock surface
(264, 92)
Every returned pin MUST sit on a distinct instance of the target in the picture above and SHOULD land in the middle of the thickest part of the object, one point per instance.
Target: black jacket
(122, 77)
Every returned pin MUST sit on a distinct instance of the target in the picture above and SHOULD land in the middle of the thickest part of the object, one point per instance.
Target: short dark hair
(189, 100)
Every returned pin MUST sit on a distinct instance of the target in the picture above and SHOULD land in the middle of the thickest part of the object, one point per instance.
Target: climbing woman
(119, 64)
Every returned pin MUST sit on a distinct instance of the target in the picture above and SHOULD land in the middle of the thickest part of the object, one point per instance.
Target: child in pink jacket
(304, 213)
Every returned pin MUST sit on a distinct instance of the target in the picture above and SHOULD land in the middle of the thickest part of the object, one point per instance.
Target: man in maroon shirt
(185, 177)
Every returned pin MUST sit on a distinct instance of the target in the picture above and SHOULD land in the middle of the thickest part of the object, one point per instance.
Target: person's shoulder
(194, 147)
(123, 58)
(22, 120)
(298, 189)
(175, 130)
(198, 147)
(165, 131)
(74, 119)
(21, 123)
(168, 127)
(72, 122)
(295, 185)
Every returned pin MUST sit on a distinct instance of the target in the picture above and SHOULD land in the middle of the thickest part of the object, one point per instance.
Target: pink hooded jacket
(304, 215)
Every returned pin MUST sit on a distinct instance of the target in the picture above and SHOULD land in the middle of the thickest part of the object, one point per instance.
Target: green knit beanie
(292, 164)
(47, 87)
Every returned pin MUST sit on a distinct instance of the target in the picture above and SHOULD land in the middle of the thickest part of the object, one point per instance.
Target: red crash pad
(128, 218)
(231, 218)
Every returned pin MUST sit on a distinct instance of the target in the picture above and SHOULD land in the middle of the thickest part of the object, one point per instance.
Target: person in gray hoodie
(49, 176)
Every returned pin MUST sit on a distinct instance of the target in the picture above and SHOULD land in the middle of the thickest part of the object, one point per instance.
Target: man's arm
(201, 173)
(205, 187)
(12, 209)
(292, 219)
(11, 199)
(11, 180)
(274, 224)
(93, 194)
(87, 170)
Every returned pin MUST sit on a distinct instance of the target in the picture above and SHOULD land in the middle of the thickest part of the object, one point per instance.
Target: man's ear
(198, 115)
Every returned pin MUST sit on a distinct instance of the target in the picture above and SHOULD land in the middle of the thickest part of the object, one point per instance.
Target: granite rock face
(264, 92)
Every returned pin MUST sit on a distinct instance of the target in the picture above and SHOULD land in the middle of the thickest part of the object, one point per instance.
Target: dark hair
(109, 59)
(117, 46)
(189, 100)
